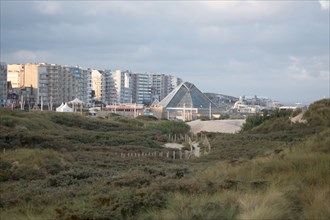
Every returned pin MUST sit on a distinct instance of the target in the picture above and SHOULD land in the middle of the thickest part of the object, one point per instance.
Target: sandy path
(221, 126)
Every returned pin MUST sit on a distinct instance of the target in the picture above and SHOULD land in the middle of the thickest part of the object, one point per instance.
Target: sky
(275, 49)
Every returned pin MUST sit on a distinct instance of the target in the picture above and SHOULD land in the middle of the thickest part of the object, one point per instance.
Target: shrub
(147, 118)
(318, 113)
(30, 164)
(169, 127)
(252, 121)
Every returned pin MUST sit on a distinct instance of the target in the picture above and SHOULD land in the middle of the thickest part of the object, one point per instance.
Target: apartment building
(96, 84)
(123, 84)
(162, 85)
(23, 75)
(103, 85)
(24, 79)
(51, 87)
(175, 82)
(59, 84)
(141, 88)
(52, 84)
(15, 75)
(109, 88)
(87, 98)
(3, 83)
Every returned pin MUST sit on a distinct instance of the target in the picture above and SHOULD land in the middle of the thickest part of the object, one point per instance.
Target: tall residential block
(52, 87)
(141, 88)
(109, 88)
(15, 75)
(24, 81)
(59, 84)
(123, 84)
(81, 84)
(103, 85)
(3, 83)
(97, 84)
(162, 85)
(23, 75)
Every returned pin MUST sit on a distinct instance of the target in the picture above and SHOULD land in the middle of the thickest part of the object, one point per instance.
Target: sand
(220, 126)
(298, 119)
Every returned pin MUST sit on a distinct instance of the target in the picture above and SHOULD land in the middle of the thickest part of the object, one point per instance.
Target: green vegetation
(257, 119)
(66, 166)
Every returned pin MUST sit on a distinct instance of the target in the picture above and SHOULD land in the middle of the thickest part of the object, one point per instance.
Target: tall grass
(260, 174)
(269, 205)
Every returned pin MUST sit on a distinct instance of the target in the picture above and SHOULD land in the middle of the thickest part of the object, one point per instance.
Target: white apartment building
(175, 81)
(161, 86)
(88, 99)
(103, 85)
(109, 88)
(123, 83)
(96, 84)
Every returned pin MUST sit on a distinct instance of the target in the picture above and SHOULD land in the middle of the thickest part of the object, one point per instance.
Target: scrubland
(67, 166)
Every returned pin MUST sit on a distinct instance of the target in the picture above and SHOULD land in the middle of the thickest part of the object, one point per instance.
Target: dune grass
(59, 166)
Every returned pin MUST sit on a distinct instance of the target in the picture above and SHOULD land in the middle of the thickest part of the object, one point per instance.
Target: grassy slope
(66, 176)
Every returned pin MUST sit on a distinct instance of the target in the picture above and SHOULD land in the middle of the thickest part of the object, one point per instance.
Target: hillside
(66, 166)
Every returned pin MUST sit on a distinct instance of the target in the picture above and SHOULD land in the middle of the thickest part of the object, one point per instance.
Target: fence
(192, 140)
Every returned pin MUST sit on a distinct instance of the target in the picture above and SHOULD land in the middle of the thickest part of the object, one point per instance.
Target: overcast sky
(276, 49)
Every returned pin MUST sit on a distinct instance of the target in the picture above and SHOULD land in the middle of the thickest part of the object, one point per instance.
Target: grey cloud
(237, 47)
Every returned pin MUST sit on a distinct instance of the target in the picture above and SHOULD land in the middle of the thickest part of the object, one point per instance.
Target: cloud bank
(268, 48)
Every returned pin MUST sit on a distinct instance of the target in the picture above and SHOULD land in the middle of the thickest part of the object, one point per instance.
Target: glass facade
(187, 95)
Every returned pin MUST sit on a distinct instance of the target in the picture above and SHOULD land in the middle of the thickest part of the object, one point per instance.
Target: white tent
(64, 108)
(59, 107)
(76, 103)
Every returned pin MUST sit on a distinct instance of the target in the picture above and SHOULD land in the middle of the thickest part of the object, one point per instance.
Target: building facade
(23, 79)
(141, 88)
(52, 88)
(123, 84)
(15, 75)
(59, 84)
(96, 84)
(3, 83)
(109, 88)
(162, 85)
(103, 85)
(51, 84)
(23, 75)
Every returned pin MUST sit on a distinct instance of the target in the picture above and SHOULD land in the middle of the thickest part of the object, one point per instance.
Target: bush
(147, 118)
(169, 127)
(318, 113)
(252, 122)
(203, 118)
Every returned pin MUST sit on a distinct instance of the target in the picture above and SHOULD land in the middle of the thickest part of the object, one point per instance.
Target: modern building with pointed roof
(185, 102)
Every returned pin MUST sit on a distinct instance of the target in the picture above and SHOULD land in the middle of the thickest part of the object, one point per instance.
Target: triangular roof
(59, 107)
(189, 95)
(64, 108)
(76, 101)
